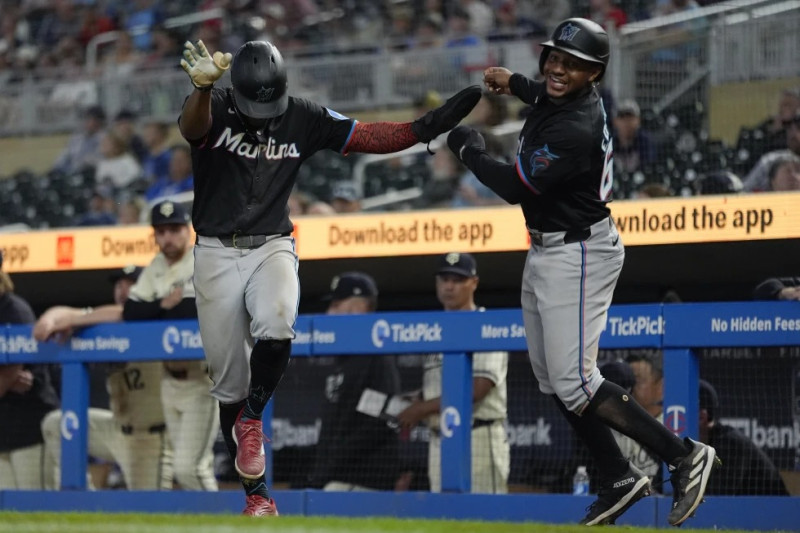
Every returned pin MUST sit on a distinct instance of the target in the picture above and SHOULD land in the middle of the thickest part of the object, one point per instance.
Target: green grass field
(171, 523)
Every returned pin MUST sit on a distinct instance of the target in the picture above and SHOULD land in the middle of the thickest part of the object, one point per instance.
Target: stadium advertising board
(735, 324)
(496, 229)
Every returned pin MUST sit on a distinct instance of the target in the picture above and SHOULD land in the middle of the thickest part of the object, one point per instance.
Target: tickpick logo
(170, 339)
(450, 420)
(380, 332)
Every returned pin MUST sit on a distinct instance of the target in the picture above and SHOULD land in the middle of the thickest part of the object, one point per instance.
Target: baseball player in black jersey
(562, 179)
(248, 143)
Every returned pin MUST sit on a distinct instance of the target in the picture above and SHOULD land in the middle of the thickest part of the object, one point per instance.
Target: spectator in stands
(346, 197)
(607, 14)
(548, 13)
(180, 178)
(771, 134)
(633, 147)
(784, 174)
(61, 21)
(719, 182)
(155, 165)
(621, 373)
(481, 16)
(123, 58)
(357, 450)
(429, 32)
(165, 47)
(460, 33)
(445, 175)
(141, 18)
(101, 208)
(93, 22)
(117, 165)
(510, 25)
(778, 289)
(652, 190)
(759, 177)
(129, 210)
(83, 147)
(26, 396)
(746, 469)
(124, 126)
(400, 28)
(456, 283)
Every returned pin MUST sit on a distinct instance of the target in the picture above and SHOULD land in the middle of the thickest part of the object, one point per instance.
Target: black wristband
(205, 89)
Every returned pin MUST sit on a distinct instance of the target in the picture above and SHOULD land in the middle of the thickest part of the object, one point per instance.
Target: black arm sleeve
(502, 178)
(133, 310)
(187, 308)
(523, 88)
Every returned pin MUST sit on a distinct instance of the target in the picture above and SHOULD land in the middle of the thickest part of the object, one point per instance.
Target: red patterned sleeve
(380, 138)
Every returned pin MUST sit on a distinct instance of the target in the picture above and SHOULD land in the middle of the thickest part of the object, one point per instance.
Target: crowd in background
(52, 37)
(125, 162)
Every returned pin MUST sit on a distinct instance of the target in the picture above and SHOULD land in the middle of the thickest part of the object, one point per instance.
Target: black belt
(479, 423)
(573, 235)
(247, 242)
(128, 429)
(178, 374)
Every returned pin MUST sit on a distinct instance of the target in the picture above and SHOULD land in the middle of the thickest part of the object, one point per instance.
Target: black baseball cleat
(689, 480)
(617, 496)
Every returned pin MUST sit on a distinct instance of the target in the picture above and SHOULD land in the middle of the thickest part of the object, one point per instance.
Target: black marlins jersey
(242, 180)
(564, 159)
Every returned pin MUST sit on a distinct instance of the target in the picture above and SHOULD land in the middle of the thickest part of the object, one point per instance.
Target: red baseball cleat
(249, 439)
(260, 506)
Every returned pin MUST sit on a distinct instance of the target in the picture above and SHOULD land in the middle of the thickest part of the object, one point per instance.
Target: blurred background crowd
(120, 151)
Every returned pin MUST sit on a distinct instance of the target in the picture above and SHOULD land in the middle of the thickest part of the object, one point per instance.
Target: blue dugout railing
(677, 329)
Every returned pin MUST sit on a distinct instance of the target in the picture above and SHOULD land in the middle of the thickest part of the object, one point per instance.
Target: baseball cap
(619, 372)
(346, 190)
(130, 272)
(720, 182)
(628, 108)
(350, 284)
(168, 212)
(457, 263)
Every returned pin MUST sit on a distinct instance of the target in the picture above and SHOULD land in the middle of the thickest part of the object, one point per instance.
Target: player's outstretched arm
(388, 137)
(58, 322)
(203, 70)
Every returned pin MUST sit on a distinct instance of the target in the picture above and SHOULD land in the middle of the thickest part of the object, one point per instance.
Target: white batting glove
(203, 68)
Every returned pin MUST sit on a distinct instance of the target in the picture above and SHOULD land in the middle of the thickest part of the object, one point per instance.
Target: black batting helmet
(258, 76)
(581, 38)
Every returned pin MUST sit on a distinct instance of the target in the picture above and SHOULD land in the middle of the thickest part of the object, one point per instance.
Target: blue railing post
(681, 374)
(456, 422)
(74, 425)
(266, 421)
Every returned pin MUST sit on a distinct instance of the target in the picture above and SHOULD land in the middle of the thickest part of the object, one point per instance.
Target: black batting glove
(462, 138)
(448, 115)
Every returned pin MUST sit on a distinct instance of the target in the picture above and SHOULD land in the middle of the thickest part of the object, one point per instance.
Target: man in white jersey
(165, 291)
(132, 432)
(456, 283)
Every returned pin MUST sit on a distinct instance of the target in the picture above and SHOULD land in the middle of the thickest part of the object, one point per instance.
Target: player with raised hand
(248, 143)
(562, 179)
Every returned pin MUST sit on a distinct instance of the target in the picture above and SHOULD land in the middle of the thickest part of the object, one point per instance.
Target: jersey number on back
(133, 379)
